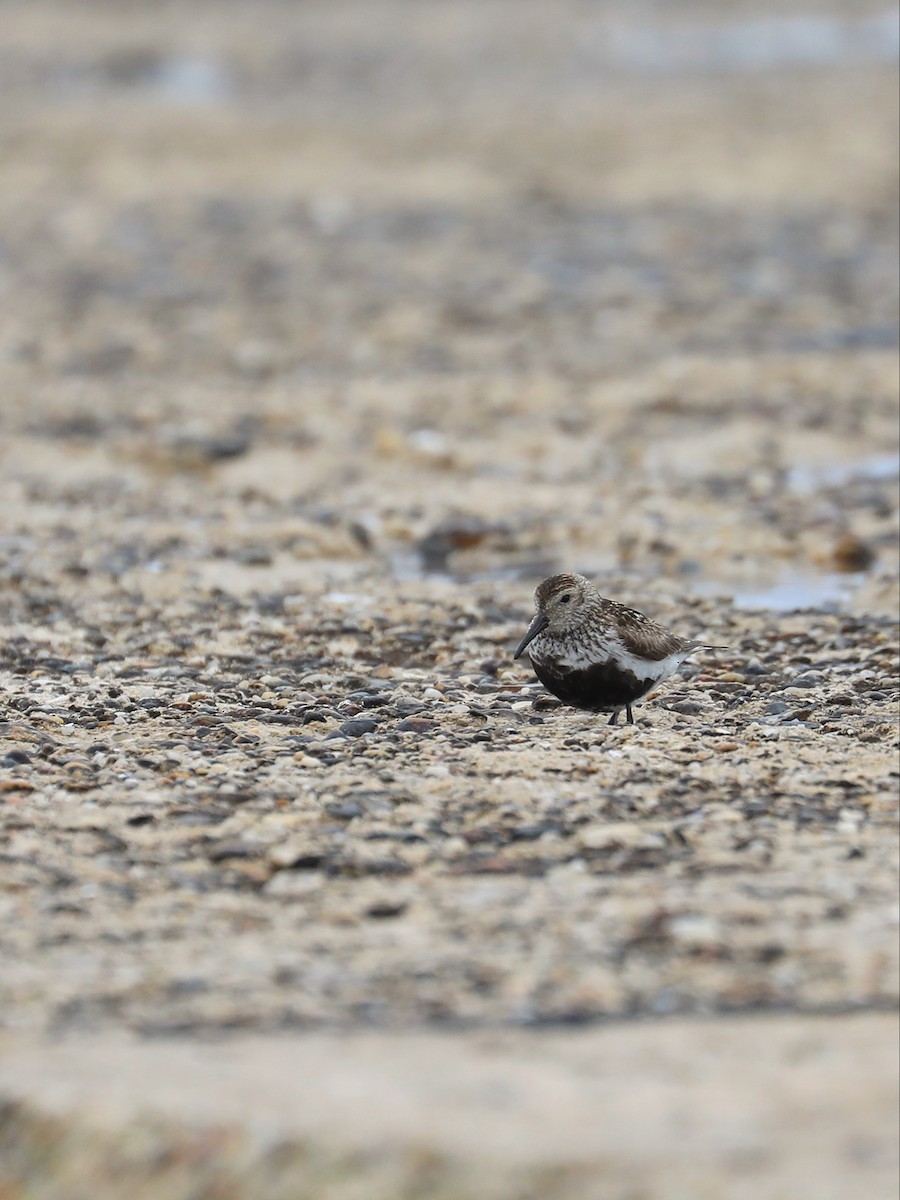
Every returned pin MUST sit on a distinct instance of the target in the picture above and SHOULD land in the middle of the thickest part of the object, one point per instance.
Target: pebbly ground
(301, 827)
(326, 338)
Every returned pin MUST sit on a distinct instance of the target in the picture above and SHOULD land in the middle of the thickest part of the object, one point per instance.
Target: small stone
(357, 727)
(615, 834)
(695, 930)
(384, 909)
(347, 811)
(809, 679)
(416, 725)
(253, 556)
(306, 760)
(16, 758)
(293, 885)
(456, 533)
(297, 854)
(851, 554)
(221, 851)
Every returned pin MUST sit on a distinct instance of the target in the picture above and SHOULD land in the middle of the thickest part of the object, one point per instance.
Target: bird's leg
(614, 718)
(629, 715)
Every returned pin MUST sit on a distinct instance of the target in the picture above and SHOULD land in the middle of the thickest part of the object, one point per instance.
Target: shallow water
(184, 79)
(808, 478)
(681, 47)
(793, 591)
(757, 45)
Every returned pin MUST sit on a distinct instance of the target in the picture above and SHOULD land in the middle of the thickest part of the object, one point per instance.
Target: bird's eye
(566, 598)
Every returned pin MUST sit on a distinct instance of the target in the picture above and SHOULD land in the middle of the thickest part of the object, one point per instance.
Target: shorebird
(595, 653)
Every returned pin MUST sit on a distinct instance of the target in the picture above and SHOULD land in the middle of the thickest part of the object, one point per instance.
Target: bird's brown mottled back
(641, 635)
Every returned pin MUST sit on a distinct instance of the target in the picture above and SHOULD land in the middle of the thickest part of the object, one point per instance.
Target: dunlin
(596, 654)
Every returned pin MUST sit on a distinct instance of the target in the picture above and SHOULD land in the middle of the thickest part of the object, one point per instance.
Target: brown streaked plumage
(595, 653)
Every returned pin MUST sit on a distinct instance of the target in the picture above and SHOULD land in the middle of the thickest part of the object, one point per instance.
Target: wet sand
(326, 338)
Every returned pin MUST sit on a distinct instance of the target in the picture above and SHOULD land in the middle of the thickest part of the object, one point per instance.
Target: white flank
(573, 657)
(644, 668)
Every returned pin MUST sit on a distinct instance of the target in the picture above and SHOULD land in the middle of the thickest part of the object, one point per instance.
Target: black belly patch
(601, 687)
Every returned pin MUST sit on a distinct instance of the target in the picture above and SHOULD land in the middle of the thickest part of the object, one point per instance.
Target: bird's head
(562, 604)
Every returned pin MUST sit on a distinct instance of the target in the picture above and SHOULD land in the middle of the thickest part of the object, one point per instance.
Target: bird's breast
(571, 654)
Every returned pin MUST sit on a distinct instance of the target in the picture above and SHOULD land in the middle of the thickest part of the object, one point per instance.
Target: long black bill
(538, 623)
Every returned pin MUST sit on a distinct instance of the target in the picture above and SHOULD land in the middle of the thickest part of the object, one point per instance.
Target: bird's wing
(645, 638)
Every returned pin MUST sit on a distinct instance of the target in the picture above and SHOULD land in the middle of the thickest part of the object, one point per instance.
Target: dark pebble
(455, 533)
(528, 833)
(385, 910)
(253, 556)
(416, 725)
(309, 715)
(197, 818)
(755, 808)
(852, 554)
(16, 758)
(806, 815)
(344, 812)
(769, 952)
(190, 986)
(310, 861)
(358, 726)
(223, 850)
(355, 870)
